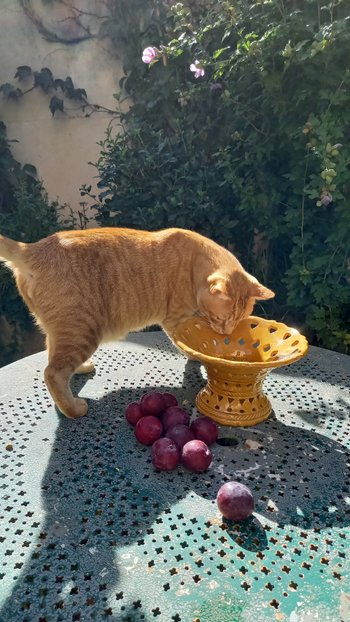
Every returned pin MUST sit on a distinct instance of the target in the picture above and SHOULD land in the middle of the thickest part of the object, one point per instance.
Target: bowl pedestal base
(237, 399)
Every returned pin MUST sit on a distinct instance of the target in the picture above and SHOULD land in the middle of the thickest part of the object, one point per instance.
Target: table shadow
(100, 494)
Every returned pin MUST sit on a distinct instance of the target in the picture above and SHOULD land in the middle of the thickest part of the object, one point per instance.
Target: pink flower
(149, 55)
(326, 199)
(197, 69)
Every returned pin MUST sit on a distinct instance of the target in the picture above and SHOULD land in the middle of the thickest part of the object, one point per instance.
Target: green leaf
(30, 170)
(219, 52)
(79, 94)
(59, 83)
(44, 79)
(10, 91)
(23, 72)
(56, 103)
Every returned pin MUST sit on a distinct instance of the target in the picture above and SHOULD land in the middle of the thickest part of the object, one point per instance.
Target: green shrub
(254, 154)
(25, 214)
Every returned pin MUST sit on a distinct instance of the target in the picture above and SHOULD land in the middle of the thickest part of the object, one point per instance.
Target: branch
(49, 35)
(81, 12)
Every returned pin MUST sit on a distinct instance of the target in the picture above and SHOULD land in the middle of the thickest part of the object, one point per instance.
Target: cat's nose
(218, 329)
(228, 330)
(228, 327)
(223, 328)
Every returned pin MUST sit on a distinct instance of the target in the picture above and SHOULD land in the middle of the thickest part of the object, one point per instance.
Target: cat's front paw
(85, 368)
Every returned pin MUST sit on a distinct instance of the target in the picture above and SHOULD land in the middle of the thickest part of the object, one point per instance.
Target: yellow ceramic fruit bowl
(237, 365)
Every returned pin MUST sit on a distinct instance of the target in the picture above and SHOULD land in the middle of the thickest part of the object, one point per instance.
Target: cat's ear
(219, 286)
(260, 292)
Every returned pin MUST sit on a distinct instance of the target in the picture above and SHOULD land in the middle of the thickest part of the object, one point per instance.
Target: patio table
(90, 531)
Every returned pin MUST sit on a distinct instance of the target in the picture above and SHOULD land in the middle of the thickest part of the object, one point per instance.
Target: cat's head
(226, 300)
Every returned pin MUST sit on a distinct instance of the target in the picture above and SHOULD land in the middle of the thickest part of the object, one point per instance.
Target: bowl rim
(206, 358)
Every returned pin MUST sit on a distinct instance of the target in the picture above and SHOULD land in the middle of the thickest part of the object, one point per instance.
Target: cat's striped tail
(12, 251)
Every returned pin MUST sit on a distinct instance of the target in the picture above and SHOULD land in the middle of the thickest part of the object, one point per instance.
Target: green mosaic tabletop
(89, 531)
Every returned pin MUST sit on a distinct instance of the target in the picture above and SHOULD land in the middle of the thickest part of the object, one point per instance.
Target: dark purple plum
(205, 430)
(153, 403)
(173, 415)
(133, 413)
(180, 434)
(170, 400)
(235, 501)
(165, 454)
(196, 456)
(148, 430)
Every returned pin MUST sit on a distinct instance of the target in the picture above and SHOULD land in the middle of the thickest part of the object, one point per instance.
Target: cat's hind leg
(65, 357)
(85, 368)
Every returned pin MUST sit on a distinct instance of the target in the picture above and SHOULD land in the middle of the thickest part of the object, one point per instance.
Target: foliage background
(255, 154)
(25, 214)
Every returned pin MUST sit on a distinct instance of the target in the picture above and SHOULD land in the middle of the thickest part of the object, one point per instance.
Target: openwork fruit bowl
(237, 365)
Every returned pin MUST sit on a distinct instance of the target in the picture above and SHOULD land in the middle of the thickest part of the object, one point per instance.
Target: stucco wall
(60, 146)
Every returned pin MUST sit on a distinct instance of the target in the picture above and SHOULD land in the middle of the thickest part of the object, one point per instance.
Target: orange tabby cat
(86, 287)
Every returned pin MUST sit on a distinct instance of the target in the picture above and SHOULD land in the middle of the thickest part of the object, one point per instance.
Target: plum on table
(153, 403)
(148, 430)
(196, 456)
(180, 434)
(165, 454)
(133, 412)
(205, 430)
(173, 415)
(235, 501)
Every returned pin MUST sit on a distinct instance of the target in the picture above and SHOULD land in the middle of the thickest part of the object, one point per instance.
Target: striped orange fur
(87, 287)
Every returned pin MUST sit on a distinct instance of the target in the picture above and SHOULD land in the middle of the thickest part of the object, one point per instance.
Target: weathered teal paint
(89, 531)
